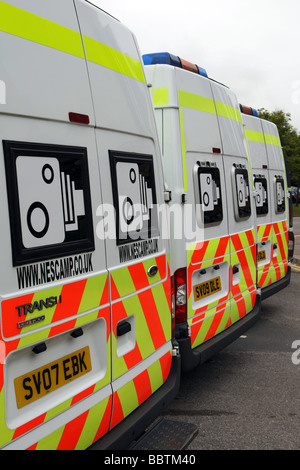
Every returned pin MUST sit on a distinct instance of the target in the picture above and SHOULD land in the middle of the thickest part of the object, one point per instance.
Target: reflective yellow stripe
(201, 103)
(26, 25)
(113, 59)
(34, 28)
(185, 182)
(228, 111)
(160, 96)
(255, 136)
(272, 139)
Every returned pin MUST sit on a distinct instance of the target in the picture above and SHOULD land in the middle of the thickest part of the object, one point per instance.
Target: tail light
(180, 295)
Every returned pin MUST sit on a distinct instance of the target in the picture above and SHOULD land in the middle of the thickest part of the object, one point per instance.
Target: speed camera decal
(279, 194)
(261, 189)
(134, 196)
(241, 190)
(210, 194)
(49, 201)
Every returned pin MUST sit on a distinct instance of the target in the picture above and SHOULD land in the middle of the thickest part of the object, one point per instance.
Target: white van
(272, 202)
(213, 259)
(86, 331)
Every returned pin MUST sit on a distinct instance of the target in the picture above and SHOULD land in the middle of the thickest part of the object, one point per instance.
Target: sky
(252, 47)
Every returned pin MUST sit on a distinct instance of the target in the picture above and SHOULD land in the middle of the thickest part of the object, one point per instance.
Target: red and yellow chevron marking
(81, 432)
(72, 299)
(243, 293)
(281, 239)
(210, 323)
(151, 309)
(152, 315)
(276, 269)
(129, 280)
(244, 256)
(136, 391)
(214, 317)
(77, 297)
(264, 234)
(242, 305)
(6, 434)
(211, 318)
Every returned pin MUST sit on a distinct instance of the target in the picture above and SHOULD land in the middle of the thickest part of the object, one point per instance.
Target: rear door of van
(132, 186)
(279, 202)
(261, 181)
(208, 257)
(240, 207)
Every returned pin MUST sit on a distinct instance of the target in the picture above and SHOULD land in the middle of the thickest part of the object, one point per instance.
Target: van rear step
(165, 434)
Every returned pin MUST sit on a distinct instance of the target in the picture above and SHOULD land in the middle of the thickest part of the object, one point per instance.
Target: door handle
(235, 269)
(123, 328)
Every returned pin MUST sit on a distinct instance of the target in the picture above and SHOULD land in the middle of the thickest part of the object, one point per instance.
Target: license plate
(261, 255)
(39, 382)
(207, 288)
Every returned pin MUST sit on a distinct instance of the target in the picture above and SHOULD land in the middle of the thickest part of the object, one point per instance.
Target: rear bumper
(191, 358)
(276, 286)
(120, 437)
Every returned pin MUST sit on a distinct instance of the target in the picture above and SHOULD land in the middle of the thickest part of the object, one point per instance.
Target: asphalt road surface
(248, 396)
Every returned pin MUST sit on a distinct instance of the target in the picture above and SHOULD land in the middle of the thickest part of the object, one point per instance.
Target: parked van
(86, 330)
(207, 172)
(272, 202)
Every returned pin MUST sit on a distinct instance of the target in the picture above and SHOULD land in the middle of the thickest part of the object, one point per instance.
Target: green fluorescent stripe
(272, 139)
(26, 25)
(201, 103)
(160, 96)
(255, 136)
(112, 59)
(185, 183)
(228, 111)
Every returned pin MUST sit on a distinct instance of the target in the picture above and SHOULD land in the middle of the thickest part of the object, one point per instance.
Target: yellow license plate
(261, 255)
(39, 382)
(207, 288)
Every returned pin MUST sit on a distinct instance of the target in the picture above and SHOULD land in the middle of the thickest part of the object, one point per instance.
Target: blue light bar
(202, 71)
(171, 59)
(161, 58)
(255, 112)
